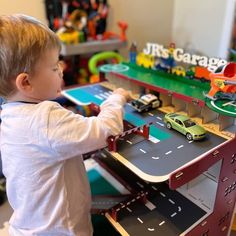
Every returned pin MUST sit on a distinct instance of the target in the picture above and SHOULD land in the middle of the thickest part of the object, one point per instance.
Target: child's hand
(123, 92)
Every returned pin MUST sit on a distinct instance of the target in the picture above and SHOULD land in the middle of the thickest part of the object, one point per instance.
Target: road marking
(103, 155)
(163, 222)
(107, 93)
(139, 184)
(129, 209)
(155, 158)
(129, 142)
(153, 187)
(103, 95)
(153, 139)
(190, 141)
(151, 229)
(139, 220)
(180, 146)
(160, 124)
(179, 208)
(159, 118)
(142, 150)
(167, 153)
(171, 201)
(97, 96)
(162, 194)
(173, 214)
(150, 206)
(228, 103)
(218, 108)
(150, 114)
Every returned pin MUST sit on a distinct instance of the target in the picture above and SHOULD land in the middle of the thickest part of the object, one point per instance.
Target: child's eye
(58, 67)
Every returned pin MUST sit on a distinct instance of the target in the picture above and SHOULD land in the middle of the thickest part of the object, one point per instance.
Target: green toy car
(185, 126)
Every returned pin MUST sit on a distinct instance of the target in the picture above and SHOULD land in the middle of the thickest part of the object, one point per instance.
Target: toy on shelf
(223, 81)
(99, 58)
(133, 52)
(123, 27)
(173, 61)
(84, 19)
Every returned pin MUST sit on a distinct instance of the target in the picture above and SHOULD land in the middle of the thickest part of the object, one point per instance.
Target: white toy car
(146, 102)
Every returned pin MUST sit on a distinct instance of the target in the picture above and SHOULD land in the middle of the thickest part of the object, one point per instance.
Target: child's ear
(23, 83)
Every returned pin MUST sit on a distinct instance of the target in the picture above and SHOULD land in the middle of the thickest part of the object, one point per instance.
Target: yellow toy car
(178, 70)
(147, 61)
(69, 37)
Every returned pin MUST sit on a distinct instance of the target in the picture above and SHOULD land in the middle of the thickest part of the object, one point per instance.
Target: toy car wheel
(168, 125)
(189, 137)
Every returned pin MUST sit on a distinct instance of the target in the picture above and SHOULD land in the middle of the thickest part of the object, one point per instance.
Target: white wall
(149, 21)
(204, 25)
(29, 7)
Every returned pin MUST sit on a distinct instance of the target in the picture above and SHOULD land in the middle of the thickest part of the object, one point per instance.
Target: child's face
(47, 78)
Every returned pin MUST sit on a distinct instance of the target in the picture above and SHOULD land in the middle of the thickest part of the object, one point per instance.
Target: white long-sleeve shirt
(41, 147)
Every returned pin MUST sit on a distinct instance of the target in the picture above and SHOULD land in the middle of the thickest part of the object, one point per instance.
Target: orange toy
(223, 81)
(123, 27)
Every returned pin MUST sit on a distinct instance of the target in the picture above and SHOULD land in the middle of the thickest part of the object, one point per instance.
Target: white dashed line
(180, 146)
(171, 201)
(167, 153)
(153, 187)
(103, 154)
(151, 229)
(163, 222)
(173, 214)
(155, 158)
(140, 220)
(103, 95)
(129, 209)
(162, 194)
(142, 150)
(107, 94)
(139, 184)
(160, 124)
(190, 141)
(129, 142)
(179, 208)
(97, 96)
(159, 118)
(150, 114)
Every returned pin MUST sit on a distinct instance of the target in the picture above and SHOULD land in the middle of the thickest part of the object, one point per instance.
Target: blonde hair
(23, 40)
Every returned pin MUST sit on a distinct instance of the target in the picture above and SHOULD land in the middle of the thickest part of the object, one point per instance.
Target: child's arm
(71, 134)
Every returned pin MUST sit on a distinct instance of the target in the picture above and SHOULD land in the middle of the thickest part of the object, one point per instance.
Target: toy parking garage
(152, 149)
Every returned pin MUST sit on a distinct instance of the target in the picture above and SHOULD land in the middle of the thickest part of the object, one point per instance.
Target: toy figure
(133, 52)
